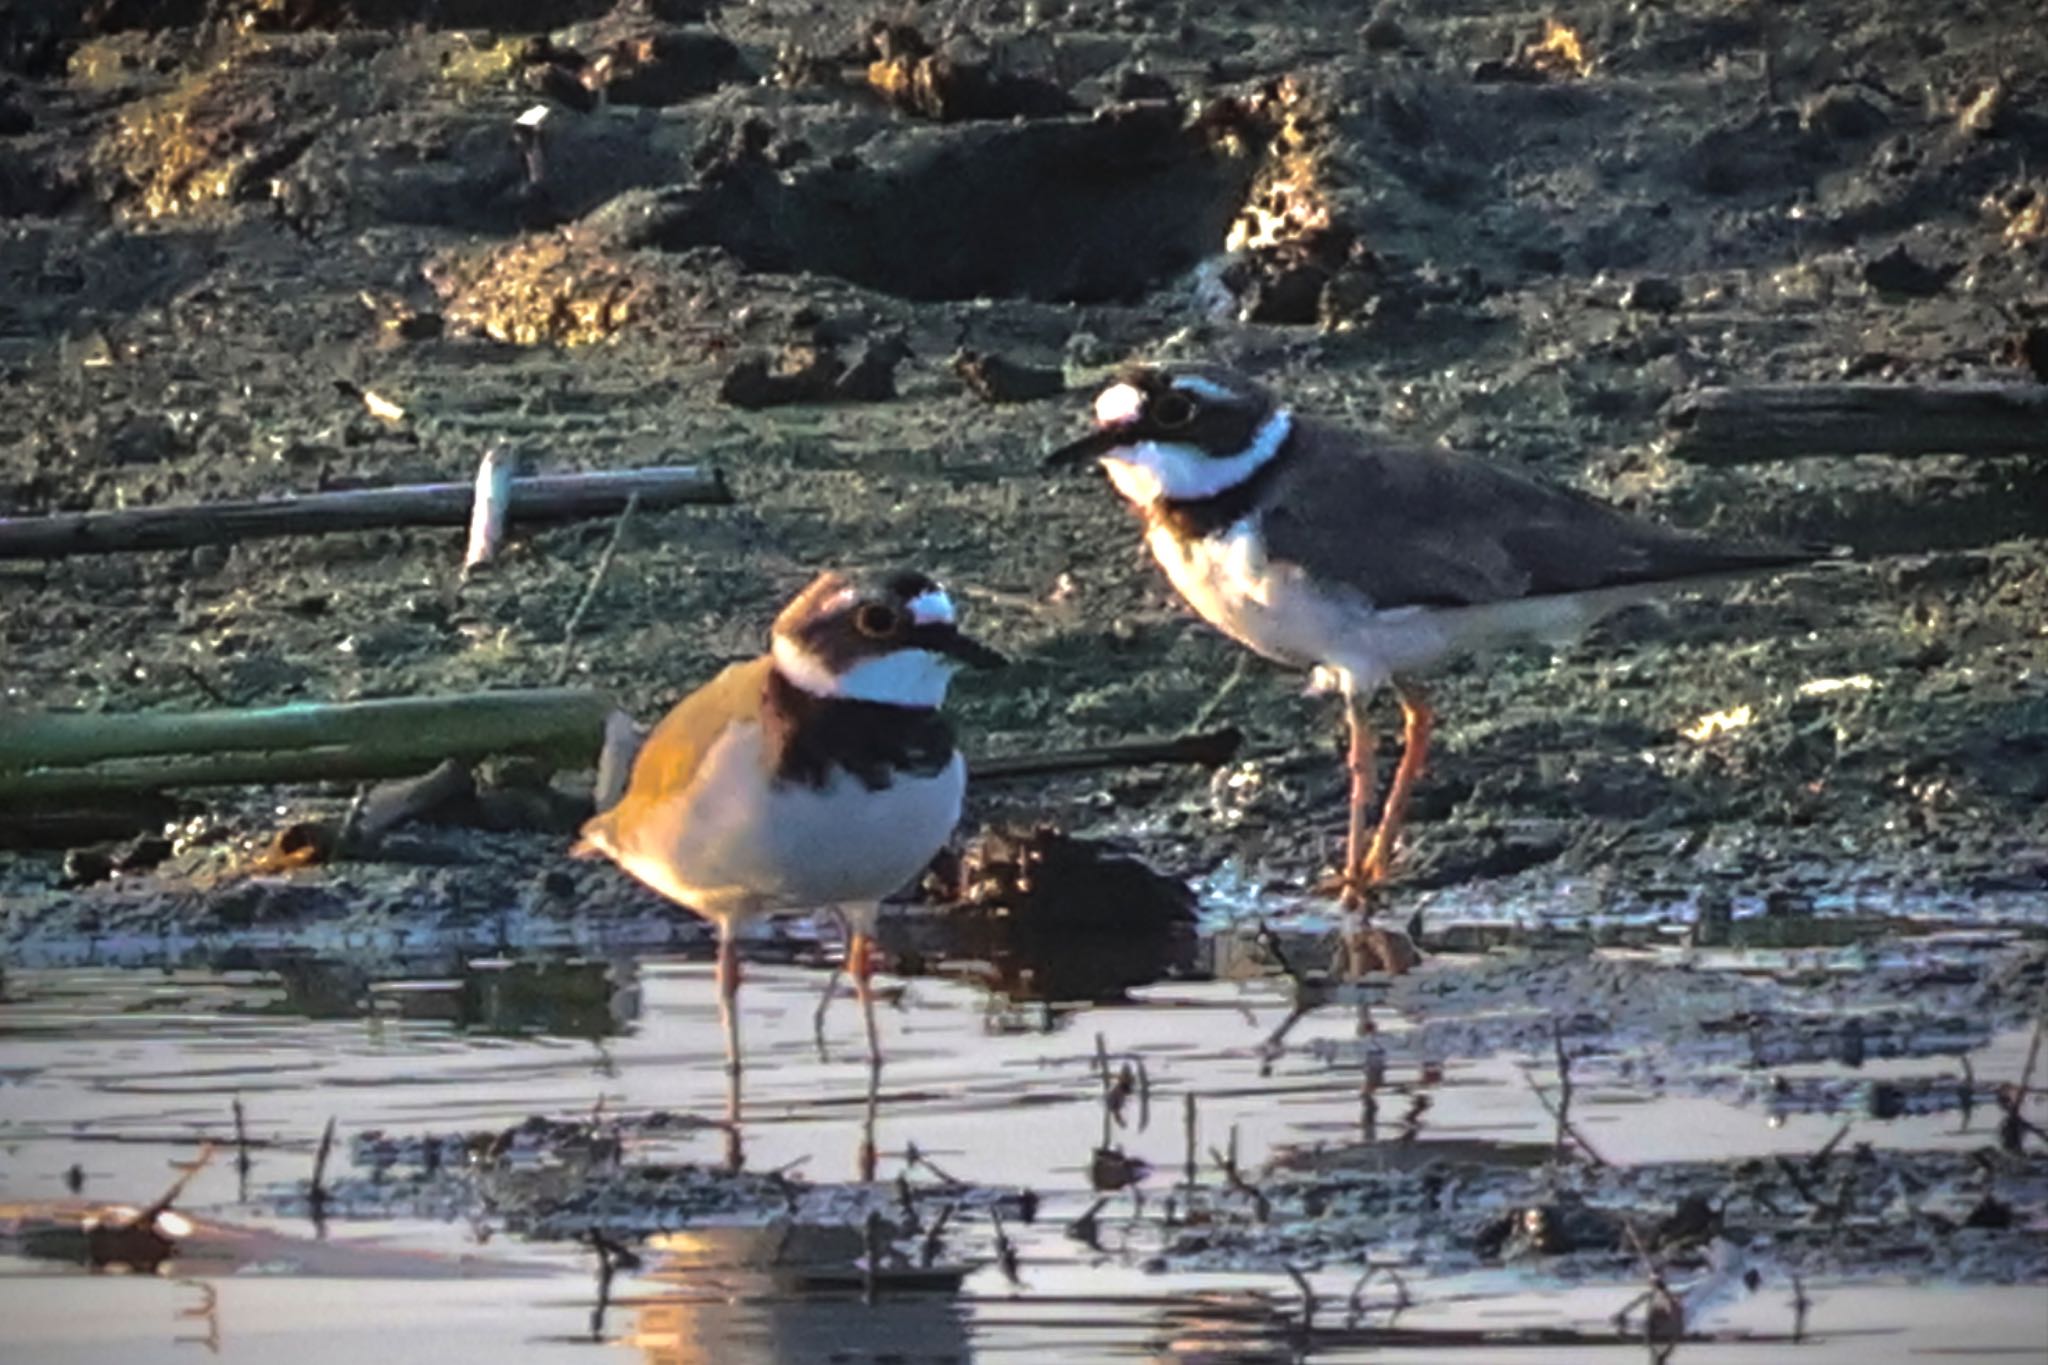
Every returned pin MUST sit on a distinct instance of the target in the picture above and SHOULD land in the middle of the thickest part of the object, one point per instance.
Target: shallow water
(123, 1072)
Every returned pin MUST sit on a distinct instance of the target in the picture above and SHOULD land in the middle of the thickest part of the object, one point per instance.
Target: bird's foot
(1355, 890)
(1374, 948)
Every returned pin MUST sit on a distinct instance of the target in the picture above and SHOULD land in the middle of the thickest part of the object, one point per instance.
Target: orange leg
(1361, 760)
(1418, 721)
(860, 965)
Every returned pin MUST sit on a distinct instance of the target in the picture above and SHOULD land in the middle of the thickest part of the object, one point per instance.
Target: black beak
(945, 639)
(1093, 446)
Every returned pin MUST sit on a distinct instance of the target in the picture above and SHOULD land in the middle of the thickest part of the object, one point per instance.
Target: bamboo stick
(1761, 422)
(1212, 748)
(548, 497)
(47, 756)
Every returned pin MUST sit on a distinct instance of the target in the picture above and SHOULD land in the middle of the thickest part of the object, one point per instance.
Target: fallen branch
(548, 497)
(1212, 749)
(71, 754)
(1762, 422)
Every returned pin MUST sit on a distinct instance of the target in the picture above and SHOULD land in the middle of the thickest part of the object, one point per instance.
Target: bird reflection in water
(765, 1296)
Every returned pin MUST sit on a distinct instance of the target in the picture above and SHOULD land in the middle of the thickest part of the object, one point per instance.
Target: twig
(1087, 1229)
(1309, 995)
(316, 1198)
(597, 573)
(871, 1258)
(1209, 750)
(1262, 1207)
(1187, 1111)
(242, 1162)
(2014, 1127)
(912, 1156)
(1356, 1307)
(929, 1252)
(147, 1218)
(1307, 1327)
(1800, 1303)
(1006, 1250)
(1239, 670)
(1565, 1127)
(611, 1258)
(1664, 1319)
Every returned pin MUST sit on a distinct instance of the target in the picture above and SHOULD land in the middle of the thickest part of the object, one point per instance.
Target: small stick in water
(242, 1162)
(316, 1199)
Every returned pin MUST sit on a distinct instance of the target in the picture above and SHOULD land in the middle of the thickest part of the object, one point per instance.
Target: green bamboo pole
(49, 754)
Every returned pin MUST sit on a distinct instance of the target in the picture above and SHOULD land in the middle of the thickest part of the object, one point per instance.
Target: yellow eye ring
(876, 621)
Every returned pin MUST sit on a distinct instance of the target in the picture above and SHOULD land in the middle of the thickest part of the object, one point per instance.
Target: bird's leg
(866, 1157)
(1361, 761)
(860, 965)
(1418, 720)
(831, 983)
(729, 1015)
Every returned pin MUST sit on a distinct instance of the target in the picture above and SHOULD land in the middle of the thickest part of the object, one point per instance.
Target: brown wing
(669, 759)
(1415, 527)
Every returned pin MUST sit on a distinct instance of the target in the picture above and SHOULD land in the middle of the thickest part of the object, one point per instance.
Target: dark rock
(2029, 351)
(1897, 272)
(1135, 83)
(872, 377)
(1653, 294)
(683, 11)
(1990, 1212)
(1495, 71)
(1383, 33)
(667, 66)
(561, 85)
(142, 854)
(910, 74)
(754, 383)
(86, 867)
(145, 438)
(996, 380)
(1843, 113)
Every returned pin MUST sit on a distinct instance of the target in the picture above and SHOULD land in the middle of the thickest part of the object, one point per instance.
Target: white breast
(735, 843)
(1276, 610)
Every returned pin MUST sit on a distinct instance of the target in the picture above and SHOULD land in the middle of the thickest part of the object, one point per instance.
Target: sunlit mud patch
(551, 288)
(222, 133)
(1080, 210)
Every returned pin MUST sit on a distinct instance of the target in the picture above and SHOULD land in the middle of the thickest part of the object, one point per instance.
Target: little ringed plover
(1366, 560)
(820, 775)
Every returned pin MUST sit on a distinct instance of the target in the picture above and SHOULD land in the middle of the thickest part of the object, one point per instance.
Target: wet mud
(1749, 888)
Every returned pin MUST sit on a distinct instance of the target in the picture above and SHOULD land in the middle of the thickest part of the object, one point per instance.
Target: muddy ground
(220, 224)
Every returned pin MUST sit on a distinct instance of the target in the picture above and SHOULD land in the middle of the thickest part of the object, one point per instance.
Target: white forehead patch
(1119, 403)
(1204, 388)
(933, 607)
